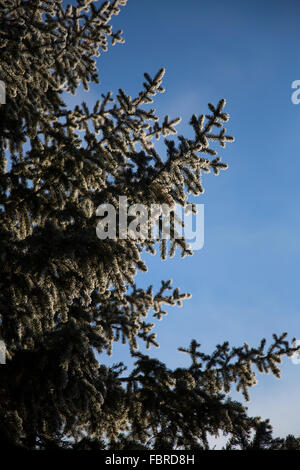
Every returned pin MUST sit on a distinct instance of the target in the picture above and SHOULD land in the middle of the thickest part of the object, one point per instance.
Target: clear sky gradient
(245, 280)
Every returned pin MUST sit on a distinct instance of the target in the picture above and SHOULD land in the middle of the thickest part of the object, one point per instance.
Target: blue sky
(245, 280)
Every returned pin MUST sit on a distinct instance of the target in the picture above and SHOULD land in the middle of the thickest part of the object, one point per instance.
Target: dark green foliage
(65, 294)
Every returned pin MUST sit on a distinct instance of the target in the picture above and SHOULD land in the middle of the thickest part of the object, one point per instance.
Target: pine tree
(65, 294)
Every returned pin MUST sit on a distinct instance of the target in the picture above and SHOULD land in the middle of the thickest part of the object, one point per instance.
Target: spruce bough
(66, 295)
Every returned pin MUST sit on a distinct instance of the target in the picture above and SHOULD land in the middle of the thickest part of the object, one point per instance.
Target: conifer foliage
(65, 294)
